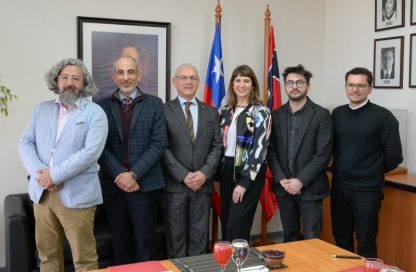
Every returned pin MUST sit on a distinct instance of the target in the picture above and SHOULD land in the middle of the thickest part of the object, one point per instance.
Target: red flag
(215, 90)
(274, 101)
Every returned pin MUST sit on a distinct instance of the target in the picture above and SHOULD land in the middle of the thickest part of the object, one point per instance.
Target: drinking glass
(240, 252)
(373, 265)
(222, 253)
(389, 268)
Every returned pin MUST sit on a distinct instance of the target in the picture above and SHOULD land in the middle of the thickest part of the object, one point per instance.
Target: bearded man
(299, 151)
(60, 149)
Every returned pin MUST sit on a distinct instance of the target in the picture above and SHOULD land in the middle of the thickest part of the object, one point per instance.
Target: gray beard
(69, 98)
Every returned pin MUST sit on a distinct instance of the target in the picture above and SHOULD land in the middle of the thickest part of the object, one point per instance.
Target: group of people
(185, 149)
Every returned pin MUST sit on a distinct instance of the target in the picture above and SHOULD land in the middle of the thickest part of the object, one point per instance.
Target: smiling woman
(245, 127)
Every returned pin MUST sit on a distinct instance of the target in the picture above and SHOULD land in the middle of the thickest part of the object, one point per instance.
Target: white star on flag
(217, 69)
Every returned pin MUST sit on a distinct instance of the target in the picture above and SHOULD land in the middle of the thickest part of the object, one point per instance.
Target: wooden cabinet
(397, 222)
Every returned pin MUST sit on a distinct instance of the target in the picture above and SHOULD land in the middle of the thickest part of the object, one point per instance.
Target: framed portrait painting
(388, 62)
(412, 62)
(101, 41)
(413, 12)
(389, 14)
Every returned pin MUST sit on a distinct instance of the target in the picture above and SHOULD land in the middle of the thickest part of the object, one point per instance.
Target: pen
(346, 256)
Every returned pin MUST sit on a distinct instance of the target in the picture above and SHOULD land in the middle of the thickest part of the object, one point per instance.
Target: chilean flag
(214, 90)
(274, 101)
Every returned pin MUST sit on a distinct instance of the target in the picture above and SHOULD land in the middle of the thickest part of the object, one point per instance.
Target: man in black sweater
(366, 145)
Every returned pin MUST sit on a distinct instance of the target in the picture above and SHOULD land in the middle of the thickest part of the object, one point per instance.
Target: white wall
(328, 37)
(349, 40)
(36, 34)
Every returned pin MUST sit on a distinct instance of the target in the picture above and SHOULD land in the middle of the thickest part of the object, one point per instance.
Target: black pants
(237, 218)
(132, 219)
(292, 210)
(356, 211)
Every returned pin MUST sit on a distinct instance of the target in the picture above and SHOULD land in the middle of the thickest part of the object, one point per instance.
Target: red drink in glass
(222, 253)
(373, 265)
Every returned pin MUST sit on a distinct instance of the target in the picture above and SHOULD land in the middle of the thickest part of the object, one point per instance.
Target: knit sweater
(366, 145)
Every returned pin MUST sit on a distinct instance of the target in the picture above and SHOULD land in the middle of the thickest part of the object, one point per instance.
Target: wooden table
(308, 255)
(313, 255)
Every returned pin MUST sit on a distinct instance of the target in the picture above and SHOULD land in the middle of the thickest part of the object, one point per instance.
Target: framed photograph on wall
(412, 62)
(388, 62)
(413, 12)
(389, 14)
(101, 41)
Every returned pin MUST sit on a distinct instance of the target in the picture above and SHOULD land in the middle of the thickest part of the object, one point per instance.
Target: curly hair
(51, 77)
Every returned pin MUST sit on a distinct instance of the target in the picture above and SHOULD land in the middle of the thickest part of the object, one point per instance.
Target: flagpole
(218, 14)
(214, 234)
(264, 240)
(266, 53)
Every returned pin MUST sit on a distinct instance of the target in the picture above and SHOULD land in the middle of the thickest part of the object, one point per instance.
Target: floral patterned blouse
(253, 131)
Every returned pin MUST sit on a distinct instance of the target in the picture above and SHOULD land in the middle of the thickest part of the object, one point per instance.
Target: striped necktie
(190, 121)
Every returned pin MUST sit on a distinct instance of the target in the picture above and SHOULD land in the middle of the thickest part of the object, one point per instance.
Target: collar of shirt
(182, 101)
(63, 108)
(387, 72)
(289, 110)
(133, 95)
(359, 106)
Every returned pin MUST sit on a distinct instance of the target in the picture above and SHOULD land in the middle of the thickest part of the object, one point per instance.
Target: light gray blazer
(182, 156)
(75, 154)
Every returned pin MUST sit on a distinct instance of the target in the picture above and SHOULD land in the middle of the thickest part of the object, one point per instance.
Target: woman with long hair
(245, 129)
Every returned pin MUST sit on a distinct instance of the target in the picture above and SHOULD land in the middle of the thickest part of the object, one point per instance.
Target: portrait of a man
(387, 63)
(108, 46)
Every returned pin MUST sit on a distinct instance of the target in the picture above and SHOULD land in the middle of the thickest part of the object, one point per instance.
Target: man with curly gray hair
(60, 149)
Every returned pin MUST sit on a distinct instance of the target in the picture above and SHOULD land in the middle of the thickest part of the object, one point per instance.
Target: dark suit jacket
(182, 156)
(383, 76)
(147, 142)
(313, 150)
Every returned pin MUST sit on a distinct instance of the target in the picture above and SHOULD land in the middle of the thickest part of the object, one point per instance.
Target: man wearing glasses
(367, 145)
(190, 161)
(387, 63)
(299, 151)
(60, 149)
(130, 172)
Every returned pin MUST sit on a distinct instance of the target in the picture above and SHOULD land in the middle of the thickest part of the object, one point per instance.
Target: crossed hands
(126, 182)
(293, 186)
(195, 180)
(45, 181)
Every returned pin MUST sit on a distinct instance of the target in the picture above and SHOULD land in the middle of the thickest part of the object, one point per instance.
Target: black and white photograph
(413, 12)
(389, 14)
(412, 61)
(388, 62)
(101, 40)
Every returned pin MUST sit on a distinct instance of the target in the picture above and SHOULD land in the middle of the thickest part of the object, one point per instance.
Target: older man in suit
(190, 161)
(299, 151)
(60, 148)
(130, 173)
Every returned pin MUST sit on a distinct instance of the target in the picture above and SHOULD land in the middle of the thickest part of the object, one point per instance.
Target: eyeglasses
(359, 86)
(185, 78)
(299, 83)
(130, 73)
(66, 78)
